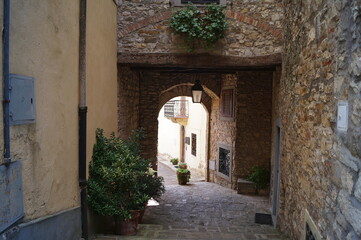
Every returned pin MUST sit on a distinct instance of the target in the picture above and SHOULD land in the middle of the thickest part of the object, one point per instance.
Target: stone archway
(184, 89)
(144, 92)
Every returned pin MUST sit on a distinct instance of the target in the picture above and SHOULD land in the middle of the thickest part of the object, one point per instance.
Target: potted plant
(116, 185)
(174, 161)
(183, 174)
(260, 176)
(200, 27)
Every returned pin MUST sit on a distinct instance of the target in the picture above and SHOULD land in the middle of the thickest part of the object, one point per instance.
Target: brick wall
(128, 101)
(254, 116)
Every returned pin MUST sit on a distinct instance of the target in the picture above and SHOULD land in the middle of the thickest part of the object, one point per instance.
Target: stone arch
(185, 90)
(259, 24)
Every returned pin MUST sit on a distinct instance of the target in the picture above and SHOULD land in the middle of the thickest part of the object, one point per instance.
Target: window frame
(230, 149)
(223, 116)
(194, 144)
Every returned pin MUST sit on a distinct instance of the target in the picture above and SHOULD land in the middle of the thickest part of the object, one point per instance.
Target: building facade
(40, 187)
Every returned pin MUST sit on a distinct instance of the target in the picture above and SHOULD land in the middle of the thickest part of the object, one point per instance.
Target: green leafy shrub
(174, 161)
(119, 179)
(199, 28)
(260, 176)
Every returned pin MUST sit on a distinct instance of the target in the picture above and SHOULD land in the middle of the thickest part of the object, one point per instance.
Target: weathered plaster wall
(101, 69)
(44, 44)
(254, 29)
(320, 164)
(197, 124)
(168, 137)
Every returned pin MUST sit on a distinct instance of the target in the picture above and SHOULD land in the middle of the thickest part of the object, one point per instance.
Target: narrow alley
(202, 210)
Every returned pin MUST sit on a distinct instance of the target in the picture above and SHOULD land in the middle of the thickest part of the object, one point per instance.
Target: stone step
(152, 231)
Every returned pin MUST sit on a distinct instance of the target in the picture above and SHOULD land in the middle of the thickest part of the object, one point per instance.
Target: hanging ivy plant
(200, 28)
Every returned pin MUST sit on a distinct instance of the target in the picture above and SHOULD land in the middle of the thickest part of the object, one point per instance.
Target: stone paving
(202, 210)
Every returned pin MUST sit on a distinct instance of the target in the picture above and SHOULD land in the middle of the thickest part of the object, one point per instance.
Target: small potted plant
(183, 174)
(174, 161)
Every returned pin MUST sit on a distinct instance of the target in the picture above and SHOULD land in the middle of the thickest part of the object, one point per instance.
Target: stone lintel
(198, 60)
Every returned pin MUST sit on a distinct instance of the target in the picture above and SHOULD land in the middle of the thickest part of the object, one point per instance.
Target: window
(227, 103)
(194, 144)
(224, 161)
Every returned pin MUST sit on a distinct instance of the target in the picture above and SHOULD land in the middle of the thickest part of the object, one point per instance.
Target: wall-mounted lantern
(197, 91)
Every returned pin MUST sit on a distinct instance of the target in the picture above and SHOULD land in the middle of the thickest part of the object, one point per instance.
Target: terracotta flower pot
(141, 214)
(183, 178)
(128, 227)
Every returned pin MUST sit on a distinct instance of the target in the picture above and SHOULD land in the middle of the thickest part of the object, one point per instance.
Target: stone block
(245, 187)
(352, 213)
(340, 219)
(352, 236)
(358, 188)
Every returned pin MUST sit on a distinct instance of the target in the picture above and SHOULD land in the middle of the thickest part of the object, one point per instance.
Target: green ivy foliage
(120, 181)
(200, 28)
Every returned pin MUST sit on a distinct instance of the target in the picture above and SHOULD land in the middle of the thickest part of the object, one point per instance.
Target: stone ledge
(247, 187)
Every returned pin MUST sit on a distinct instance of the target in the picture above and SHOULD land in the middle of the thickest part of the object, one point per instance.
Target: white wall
(168, 137)
(197, 124)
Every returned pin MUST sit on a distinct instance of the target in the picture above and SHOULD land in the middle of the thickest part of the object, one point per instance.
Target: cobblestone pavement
(202, 210)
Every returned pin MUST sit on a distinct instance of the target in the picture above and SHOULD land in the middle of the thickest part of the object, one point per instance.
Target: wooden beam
(197, 61)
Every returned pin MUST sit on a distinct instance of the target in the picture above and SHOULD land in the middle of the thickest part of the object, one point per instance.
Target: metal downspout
(6, 100)
(83, 120)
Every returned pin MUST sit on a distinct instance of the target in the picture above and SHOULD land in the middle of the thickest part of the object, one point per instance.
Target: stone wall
(254, 28)
(224, 132)
(320, 164)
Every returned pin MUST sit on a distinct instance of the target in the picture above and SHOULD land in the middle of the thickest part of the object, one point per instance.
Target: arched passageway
(183, 135)
(240, 114)
(239, 103)
(153, 91)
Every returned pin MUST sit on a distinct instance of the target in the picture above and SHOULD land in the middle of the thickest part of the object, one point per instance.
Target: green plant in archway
(200, 28)
(260, 176)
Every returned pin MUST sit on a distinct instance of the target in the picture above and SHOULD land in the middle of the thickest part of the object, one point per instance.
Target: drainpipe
(6, 100)
(83, 120)
(182, 133)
